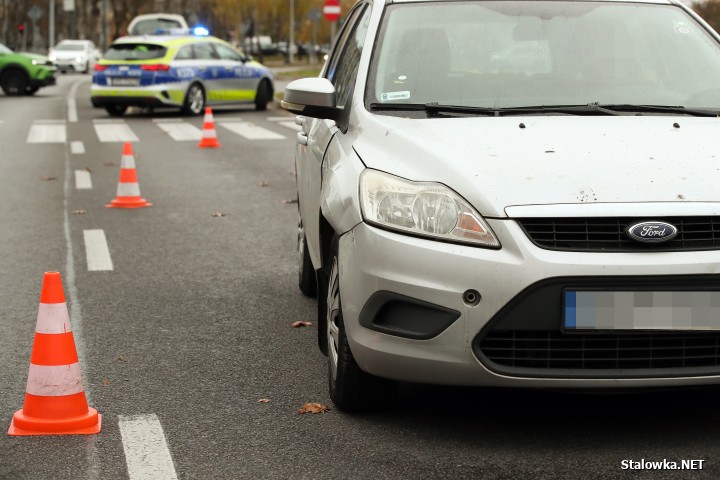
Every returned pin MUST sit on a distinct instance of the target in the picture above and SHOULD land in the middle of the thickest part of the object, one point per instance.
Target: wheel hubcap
(333, 317)
(196, 99)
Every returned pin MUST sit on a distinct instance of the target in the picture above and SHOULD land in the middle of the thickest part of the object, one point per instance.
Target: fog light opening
(471, 297)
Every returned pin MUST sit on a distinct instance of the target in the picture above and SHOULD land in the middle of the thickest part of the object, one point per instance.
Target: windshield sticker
(681, 27)
(391, 96)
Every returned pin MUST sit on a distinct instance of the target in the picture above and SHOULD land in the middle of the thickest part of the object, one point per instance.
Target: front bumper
(374, 260)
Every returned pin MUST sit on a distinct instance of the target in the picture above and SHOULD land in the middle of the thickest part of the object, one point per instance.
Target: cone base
(84, 425)
(134, 203)
(209, 144)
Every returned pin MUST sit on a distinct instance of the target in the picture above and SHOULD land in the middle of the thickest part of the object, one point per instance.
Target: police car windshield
(135, 51)
(514, 54)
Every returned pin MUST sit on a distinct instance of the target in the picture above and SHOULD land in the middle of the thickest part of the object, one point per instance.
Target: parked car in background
(153, 23)
(24, 73)
(186, 72)
(512, 194)
(74, 55)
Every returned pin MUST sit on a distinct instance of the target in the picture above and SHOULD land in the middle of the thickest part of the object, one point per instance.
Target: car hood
(64, 54)
(495, 164)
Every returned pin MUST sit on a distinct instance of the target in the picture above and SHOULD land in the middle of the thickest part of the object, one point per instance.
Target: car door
(239, 81)
(316, 134)
(206, 63)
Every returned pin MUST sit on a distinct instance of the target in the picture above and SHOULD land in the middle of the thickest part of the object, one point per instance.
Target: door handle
(299, 120)
(302, 138)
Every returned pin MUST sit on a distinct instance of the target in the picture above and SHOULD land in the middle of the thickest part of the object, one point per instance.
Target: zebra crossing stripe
(251, 131)
(181, 131)
(114, 132)
(47, 131)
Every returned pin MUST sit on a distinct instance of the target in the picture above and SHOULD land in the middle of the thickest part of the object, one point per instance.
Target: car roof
(663, 2)
(166, 40)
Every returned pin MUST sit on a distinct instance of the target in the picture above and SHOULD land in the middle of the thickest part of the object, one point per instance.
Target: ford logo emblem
(651, 232)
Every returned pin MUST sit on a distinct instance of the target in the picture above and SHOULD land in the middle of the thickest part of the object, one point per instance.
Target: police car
(183, 71)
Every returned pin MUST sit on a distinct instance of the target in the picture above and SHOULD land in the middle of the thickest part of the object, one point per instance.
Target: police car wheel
(194, 100)
(115, 110)
(262, 97)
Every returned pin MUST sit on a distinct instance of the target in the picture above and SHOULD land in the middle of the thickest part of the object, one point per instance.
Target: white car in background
(74, 55)
(154, 23)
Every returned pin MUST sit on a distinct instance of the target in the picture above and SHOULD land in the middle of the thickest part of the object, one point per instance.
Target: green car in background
(24, 73)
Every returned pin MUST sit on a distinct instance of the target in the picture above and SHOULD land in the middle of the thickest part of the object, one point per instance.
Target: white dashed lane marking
(97, 251)
(83, 181)
(146, 451)
(114, 131)
(77, 148)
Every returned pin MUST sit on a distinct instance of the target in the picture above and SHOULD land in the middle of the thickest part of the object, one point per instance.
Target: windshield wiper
(434, 108)
(640, 109)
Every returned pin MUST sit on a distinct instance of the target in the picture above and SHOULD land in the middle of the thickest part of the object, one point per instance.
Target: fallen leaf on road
(290, 200)
(88, 169)
(301, 324)
(106, 382)
(263, 183)
(293, 174)
(79, 212)
(120, 358)
(313, 408)
(264, 400)
(110, 164)
(218, 214)
(46, 179)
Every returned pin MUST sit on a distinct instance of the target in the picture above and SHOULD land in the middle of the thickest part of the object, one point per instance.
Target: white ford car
(513, 193)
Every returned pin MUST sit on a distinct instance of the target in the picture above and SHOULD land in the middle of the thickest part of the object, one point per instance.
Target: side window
(204, 51)
(185, 53)
(346, 60)
(227, 53)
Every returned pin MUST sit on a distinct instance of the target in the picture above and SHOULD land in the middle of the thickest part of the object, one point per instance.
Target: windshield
(70, 46)
(148, 27)
(505, 54)
(4, 49)
(135, 51)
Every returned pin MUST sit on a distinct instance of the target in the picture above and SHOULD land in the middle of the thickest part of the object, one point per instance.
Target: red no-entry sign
(331, 10)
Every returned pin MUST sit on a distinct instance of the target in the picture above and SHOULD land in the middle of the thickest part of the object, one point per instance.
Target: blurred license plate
(640, 310)
(125, 82)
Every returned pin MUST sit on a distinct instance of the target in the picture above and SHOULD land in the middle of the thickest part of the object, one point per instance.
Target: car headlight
(422, 208)
(51, 57)
(35, 62)
(78, 59)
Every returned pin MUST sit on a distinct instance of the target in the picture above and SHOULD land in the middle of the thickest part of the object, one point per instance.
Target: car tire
(351, 389)
(115, 110)
(195, 100)
(262, 96)
(31, 90)
(14, 82)
(306, 272)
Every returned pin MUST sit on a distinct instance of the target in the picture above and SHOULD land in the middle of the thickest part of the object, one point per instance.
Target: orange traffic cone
(128, 191)
(55, 401)
(209, 137)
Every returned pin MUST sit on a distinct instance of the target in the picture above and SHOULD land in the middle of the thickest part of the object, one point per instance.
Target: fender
(340, 192)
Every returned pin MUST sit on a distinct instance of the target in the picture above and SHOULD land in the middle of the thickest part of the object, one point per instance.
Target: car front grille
(542, 350)
(608, 234)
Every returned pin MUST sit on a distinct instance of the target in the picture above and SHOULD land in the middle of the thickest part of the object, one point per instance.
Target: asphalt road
(192, 326)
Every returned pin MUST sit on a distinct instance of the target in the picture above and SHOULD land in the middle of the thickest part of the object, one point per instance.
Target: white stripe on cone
(128, 190)
(54, 381)
(209, 133)
(127, 161)
(53, 318)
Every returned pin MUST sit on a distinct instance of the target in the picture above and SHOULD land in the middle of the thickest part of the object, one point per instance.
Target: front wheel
(14, 82)
(351, 389)
(262, 96)
(115, 110)
(194, 100)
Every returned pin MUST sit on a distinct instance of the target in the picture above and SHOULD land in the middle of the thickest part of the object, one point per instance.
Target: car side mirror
(311, 97)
